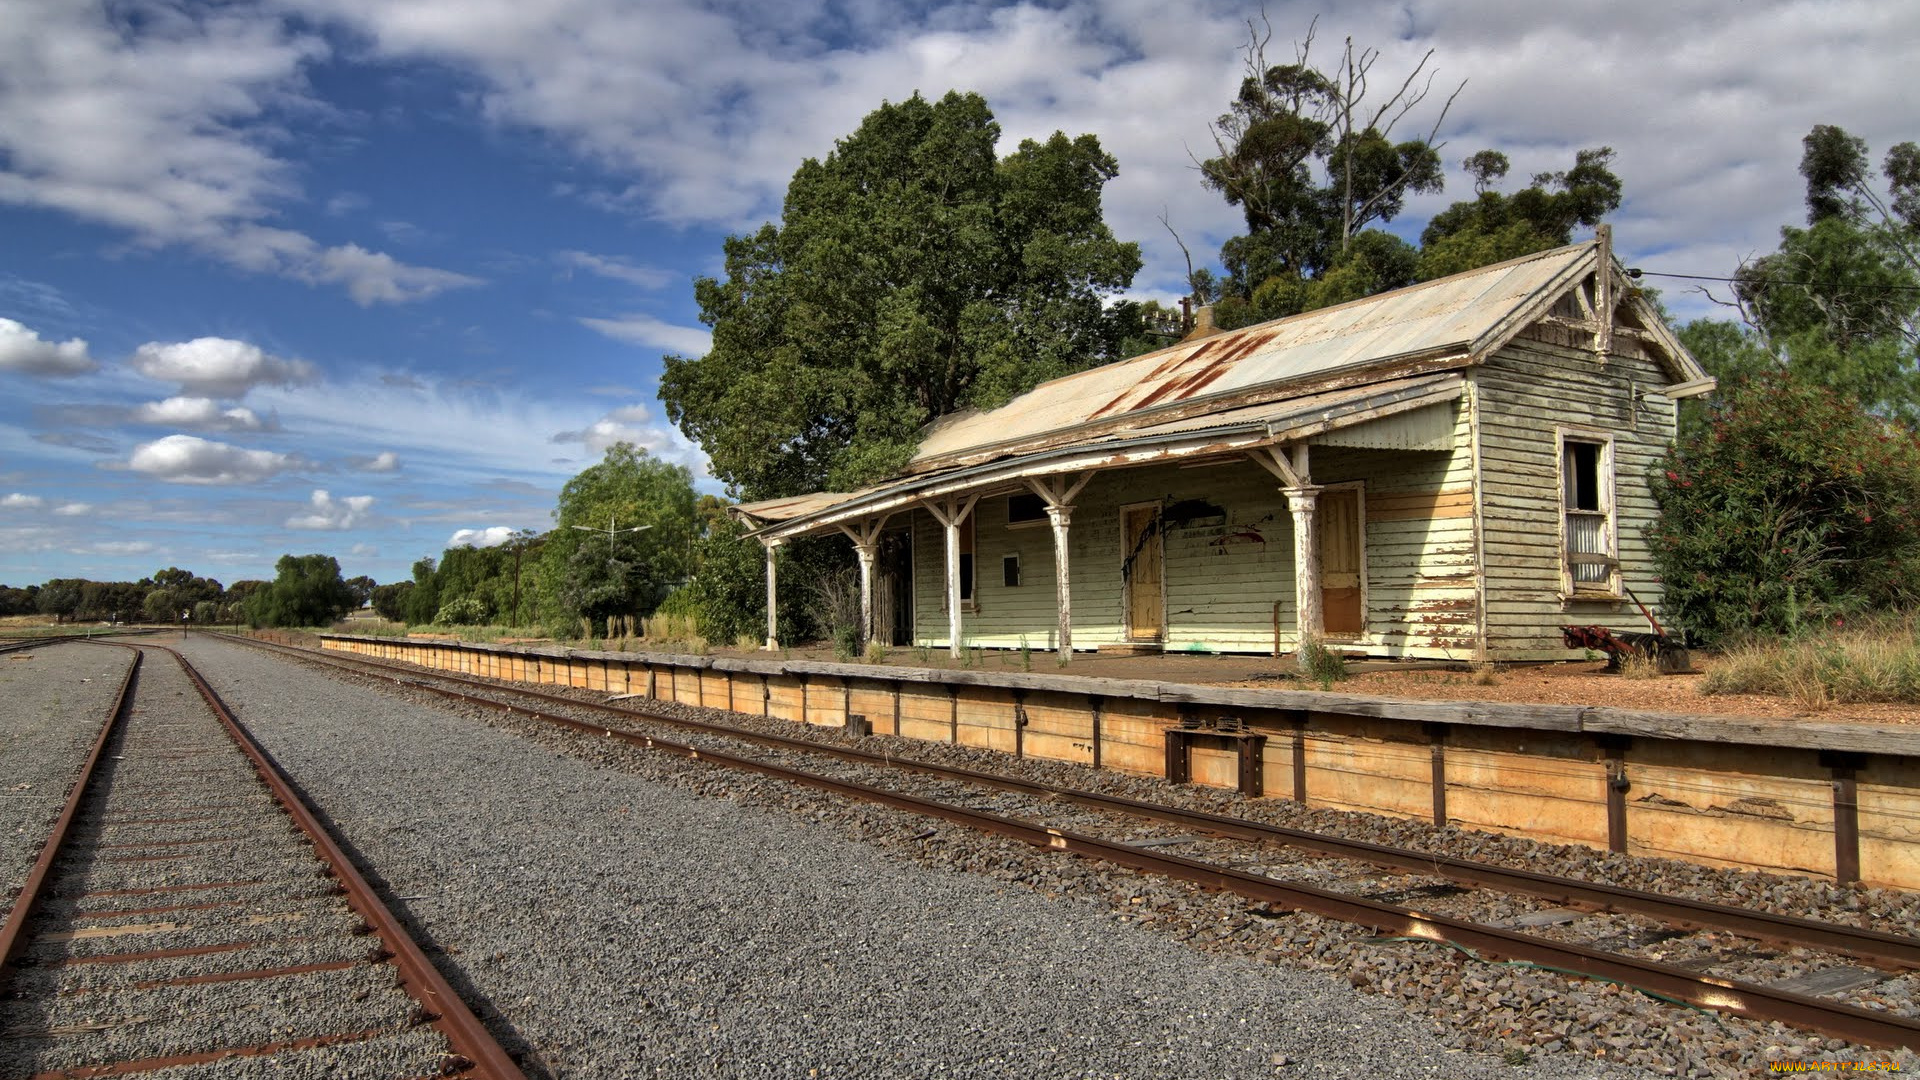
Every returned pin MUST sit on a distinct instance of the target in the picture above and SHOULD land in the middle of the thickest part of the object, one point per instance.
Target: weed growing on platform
(846, 643)
(1324, 665)
(876, 652)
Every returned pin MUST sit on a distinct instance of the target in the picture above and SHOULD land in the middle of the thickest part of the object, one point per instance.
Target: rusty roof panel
(1435, 319)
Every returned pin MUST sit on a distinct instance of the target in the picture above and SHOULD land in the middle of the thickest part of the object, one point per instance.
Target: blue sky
(370, 277)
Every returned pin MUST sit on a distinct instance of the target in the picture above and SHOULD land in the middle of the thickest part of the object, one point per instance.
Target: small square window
(1025, 509)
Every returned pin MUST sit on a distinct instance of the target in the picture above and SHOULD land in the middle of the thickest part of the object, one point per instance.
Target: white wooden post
(1603, 301)
(773, 604)
(866, 547)
(1058, 494)
(950, 512)
(1304, 501)
(1059, 516)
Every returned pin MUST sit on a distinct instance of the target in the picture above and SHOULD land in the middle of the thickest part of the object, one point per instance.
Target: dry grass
(1875, 662)
(1637, 666)
(675, 633)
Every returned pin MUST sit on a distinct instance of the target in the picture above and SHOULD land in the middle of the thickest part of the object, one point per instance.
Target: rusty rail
(1743, 999)
(440, 1003)
(13, 933)
(1888, 950)
(449, 1014)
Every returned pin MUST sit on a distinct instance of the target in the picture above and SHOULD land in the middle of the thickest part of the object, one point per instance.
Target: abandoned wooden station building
(1452, 470)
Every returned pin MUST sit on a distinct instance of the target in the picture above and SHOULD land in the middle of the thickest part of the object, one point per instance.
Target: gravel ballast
(53, 700)
(621, 925)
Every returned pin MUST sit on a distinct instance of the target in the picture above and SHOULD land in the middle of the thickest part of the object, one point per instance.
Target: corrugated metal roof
(1211, 433)
(1450, 316)
(776, 510)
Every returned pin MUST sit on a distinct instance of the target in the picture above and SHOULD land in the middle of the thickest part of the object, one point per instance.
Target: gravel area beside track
(1516, 1012)
(53, 699)
(623, 926)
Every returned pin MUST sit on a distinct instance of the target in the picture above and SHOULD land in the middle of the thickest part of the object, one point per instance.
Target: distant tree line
(306, 588)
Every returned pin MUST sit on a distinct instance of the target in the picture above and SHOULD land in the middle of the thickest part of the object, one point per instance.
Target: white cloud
(185, 459)
(373, 277)
(654, 333)
(706, 110)
(492, 536)
(165, 124)
(632, 424)
(196, 412)
(452, 432)
(22, 351)
(72, 509)
(221, 367)
(619, 269)
(383, 462)
(14, 500)
(328, 512)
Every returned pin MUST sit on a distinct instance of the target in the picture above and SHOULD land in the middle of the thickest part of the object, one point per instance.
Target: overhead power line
(1636, 272)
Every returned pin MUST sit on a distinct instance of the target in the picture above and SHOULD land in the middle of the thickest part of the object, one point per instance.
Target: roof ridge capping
(1445, 322)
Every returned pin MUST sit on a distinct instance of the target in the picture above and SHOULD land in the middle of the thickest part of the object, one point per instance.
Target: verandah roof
(1220, 433)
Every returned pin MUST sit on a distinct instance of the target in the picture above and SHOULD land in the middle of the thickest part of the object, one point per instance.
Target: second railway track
(1606, 932)
(188, 909)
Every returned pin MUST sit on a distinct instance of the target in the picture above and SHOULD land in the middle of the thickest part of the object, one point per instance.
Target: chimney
(1202, 325)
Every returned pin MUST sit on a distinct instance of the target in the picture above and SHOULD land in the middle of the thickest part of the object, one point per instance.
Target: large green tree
(913, 273)
(591, 565)
(306, 591)
(1838, 303)
(1493, 227)
(1310, 156)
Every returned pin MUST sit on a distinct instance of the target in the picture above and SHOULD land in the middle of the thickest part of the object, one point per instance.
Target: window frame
(1608, 513)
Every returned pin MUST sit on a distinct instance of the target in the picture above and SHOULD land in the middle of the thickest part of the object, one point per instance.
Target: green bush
(1788, 508)
(465, 611)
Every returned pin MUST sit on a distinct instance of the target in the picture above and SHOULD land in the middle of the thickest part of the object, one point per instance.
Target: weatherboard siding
(1228, 575)
(1544, 381)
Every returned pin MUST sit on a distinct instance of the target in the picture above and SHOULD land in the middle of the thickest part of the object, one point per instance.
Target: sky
(372, 278)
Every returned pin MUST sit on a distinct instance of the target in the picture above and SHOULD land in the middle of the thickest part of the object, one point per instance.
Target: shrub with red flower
(1793, 504)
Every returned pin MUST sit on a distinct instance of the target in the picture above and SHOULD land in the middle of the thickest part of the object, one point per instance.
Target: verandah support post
(866, 547)
(1057, 492)
(773, 602)
(1304, 503)
(1303, 499)
(950, 512)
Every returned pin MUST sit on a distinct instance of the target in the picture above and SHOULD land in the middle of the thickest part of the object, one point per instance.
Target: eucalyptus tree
(914, 272)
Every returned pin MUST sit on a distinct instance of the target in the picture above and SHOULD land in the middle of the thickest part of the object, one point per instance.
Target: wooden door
(1342, 595)
(893, 589)
(1142, 572)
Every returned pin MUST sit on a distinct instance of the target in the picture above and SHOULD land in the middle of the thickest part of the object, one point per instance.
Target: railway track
(1602, 931)
(189, 909)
